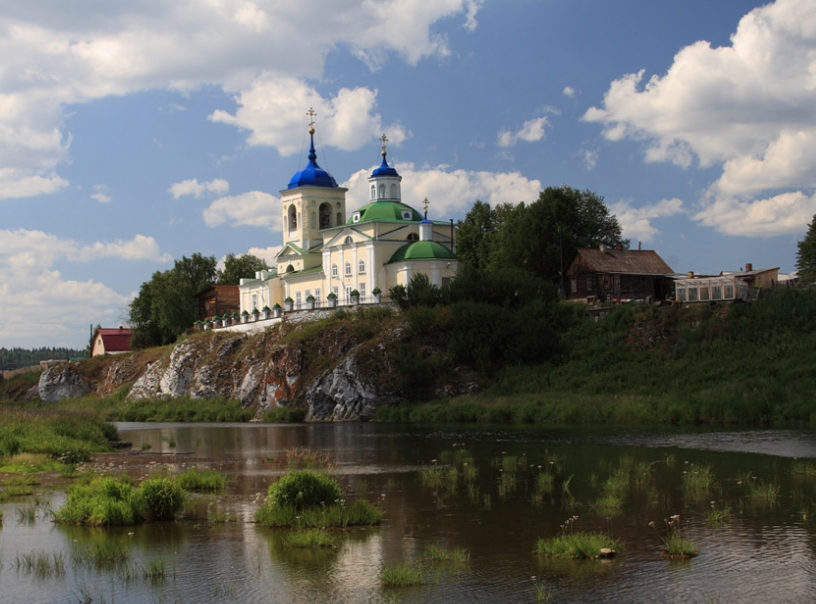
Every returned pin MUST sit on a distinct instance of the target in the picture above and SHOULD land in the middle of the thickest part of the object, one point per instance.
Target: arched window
(348, 241)
(339, 218)
(382, 191)
(348, 269)
(334, 271)
(373, 192)
(412, 237)
(290, 269)
(394, 192)
(361, 267)
(292, 217)
(325, 215)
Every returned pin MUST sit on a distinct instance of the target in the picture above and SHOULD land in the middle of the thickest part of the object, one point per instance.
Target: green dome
(385, 210)
(422, 250)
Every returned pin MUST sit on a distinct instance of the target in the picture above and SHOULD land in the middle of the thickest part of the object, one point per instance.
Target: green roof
(385, 210)
(423, 250)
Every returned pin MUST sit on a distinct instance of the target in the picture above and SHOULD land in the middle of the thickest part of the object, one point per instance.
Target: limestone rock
(63, 381)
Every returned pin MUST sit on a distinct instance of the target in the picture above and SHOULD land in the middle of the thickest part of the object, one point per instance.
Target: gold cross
(311, 113)
(425, 205)
(384, 140)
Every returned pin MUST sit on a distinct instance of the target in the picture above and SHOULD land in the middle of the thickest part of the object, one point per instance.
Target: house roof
(631, 262)
(115, 340)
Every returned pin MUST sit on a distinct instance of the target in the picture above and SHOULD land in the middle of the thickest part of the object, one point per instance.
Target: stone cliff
(338, 370)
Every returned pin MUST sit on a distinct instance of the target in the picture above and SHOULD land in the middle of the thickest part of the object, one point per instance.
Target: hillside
(745, 363)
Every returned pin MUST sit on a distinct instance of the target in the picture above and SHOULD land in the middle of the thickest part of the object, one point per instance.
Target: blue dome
(384, 169)
(312, 175)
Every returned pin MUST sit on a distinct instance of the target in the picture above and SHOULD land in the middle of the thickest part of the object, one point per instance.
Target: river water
(493, 502)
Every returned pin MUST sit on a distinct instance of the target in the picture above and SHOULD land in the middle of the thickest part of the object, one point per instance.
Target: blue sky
(132, 134)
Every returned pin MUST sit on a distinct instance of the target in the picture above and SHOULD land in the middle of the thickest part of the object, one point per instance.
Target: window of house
(348, 293)
(362, 289)
(704, 294)
(680, 292)
(334, 271)
(317, 294)
(589, 283)
(692, 294)
(335, 291)
(298, 299)
(573, 285)
(348, 269)
(254, 301)
(729, 291)
(716, 292)
(361, 267)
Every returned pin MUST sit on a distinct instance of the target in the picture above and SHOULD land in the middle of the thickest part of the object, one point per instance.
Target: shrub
(284, 415)
(304, 489)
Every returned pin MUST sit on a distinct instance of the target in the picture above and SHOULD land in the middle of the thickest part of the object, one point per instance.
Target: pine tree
(806, 256)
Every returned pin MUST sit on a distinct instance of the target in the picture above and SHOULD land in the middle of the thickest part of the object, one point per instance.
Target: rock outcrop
(63, 381)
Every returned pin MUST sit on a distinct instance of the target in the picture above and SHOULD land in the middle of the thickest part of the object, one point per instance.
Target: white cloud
(272, 109)
(266, 253)
(450, 193)
(254, 208)
(101, 193)
(63, 56)
(39, 300)
(192, 187)
(568, 92)
(748, 107)
(637, 222)
(531, 131)
(590, 158)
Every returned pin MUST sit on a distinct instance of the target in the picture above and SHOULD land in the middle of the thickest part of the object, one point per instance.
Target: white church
(329, 258)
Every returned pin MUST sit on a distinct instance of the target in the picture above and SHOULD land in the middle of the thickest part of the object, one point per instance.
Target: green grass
(763, 493)
(698, 478)
(578, 545)
(401, 575)
(284, 415)
(441, 554)
(716, 516)
(311, 538)
(41, 564)
(193, 479)
(182, 409)
(358, 513)
(678, 547)
(804, 468)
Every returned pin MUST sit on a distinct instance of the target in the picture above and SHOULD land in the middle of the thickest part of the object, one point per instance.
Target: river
(503, 489)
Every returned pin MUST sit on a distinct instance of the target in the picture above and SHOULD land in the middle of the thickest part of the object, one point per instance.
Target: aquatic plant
(717, 515)
(304, 489)
(161, 497)
(359, 513)
(440, 554)
(763, 493)
(698, 478)
(308, 459)
(26, 514)
(803, 468)
(543, 592)
(311, 538)
(578, 545)
(41, 564)
(677, 547)
(401, 575)
(194, 479)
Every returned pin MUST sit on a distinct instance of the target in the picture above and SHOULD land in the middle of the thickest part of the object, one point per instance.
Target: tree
(239, 267)
(166, 305)
(806, 256)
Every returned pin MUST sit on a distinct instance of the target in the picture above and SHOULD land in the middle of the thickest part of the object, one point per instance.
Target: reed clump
(311, 538)
(401, 575)
(194, 479)
(677, 546)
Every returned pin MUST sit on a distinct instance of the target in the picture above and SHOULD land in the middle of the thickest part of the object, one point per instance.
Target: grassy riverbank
(746, 364)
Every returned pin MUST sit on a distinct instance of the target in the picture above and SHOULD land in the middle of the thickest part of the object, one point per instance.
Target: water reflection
(493, 493)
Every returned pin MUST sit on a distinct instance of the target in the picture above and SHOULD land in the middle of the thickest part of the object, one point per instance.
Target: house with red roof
(111, 341)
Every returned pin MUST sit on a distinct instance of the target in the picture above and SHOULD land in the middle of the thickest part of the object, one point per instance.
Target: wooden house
(218, 300)
(606, 275)
(111, 341)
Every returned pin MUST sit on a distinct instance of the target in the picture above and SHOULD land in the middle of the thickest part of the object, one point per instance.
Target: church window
(394, 192)
(406, 215)
(348, 269)
(373, 192)
(362, 289)
(348, 293)
(334, 271)
(325, 215)
(298, 300)
(339, 218)
(317, 294)
(292, 218)
(412, 237)
(290, 269)
(348, 241)
(355, 218)
(254, 301)
(361, 267)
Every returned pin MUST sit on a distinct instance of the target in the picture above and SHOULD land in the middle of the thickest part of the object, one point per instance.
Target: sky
(135, 133)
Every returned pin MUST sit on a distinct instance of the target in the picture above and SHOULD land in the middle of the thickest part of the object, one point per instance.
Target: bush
(162, 498)
(304, 489)
(284, 415)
